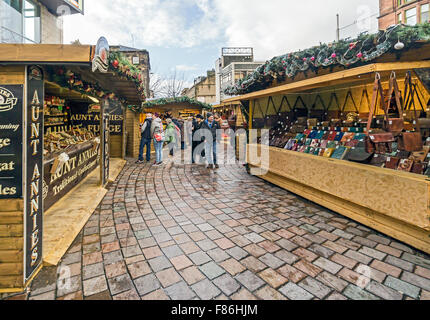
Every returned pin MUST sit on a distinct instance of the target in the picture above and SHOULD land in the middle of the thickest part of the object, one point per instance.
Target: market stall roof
(168, 103)
(78, 58)
(349, 77)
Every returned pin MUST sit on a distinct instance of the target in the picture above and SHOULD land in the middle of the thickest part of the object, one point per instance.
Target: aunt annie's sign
(7, 100)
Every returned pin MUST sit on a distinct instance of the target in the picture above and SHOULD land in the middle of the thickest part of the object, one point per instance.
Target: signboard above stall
(62, 7)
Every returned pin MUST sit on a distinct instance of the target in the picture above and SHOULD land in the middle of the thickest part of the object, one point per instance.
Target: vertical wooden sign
(104, 140)
(33, 199)
(11, 135)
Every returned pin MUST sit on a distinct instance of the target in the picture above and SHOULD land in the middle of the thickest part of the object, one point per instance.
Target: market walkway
(184, 232)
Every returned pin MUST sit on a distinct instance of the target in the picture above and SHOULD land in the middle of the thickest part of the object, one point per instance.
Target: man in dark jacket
(196, 136)
(211, 142)
(145, 130)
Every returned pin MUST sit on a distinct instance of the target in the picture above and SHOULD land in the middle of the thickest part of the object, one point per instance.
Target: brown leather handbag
(380, 142)
(392, 163)
(411, 141)
(395, 125)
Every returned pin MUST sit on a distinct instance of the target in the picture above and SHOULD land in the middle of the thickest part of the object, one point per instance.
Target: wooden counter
(392, 202)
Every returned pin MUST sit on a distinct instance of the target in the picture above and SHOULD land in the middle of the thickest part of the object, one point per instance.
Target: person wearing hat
(210, 142)
(145, 140)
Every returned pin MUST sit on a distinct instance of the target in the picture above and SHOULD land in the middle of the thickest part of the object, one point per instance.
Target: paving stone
(128, 295)
(199, 258)
(294, 292)
(305, 254)
(50, 295)
(112, 257)
(211, 270)
(286, 256)
(120, 284)
(321, 251)
(250, 280)
(253, 264)
(291, 273)
(273, 278)
(373, 253)
(237, 253)
(254, 237)
(255, 250)
(332, 281)
(168, 277)
(218, 255)
(180, 291)
(192, 275)
(386, 268)
(379, 239)
(94, 286)
(403, 287)
(315, 287)
(206, 290)
(232, 266)
(336, 296)
(356, 293)
(425, 263)
(172, 251)
(147, 284)
(139, 269)
(422, 272)
(243, 295)
(92, 271)
(308, 268)
(160, 263)
(383, 292)
(414, 279)
(271, 261)
(344, 261)
(327, 265)
(227, 284)
(405, 265)
(358, 257)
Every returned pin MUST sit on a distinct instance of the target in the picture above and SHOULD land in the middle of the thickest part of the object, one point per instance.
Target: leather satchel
(392, 163)
(418, 167)
(395, 125)
(359, 154)
(378, 142)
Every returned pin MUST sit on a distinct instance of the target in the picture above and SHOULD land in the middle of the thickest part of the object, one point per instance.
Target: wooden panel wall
(11, 214)
(133, 134)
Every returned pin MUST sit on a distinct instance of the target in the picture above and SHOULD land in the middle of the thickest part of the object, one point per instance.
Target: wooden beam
(45, 53)
(341, 77)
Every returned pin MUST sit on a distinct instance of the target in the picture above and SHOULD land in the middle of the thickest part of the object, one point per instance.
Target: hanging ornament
(115, 64)
(333, 55)
(312, 58)
(399, 45)
(360, 55)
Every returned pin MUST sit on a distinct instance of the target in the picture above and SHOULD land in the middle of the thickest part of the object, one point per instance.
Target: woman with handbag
(171, 136)
(157, 134)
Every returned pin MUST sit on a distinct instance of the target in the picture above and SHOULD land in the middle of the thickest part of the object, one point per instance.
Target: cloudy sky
(187, 35)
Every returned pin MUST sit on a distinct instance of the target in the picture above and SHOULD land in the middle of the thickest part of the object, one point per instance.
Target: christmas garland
(119, 64)
(346, 53)
(166, 101)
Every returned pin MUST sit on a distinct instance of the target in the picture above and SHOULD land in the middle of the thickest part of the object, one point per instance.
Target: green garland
(166, 101)
(346, 53)
(119, 64)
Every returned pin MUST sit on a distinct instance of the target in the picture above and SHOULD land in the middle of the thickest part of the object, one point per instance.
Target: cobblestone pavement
(184, 232)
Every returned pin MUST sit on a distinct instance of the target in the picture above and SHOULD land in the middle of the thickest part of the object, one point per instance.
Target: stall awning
(354, 76)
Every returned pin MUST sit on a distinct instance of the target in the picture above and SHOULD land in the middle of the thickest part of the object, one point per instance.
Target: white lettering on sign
(7, 191)
(7, 166)
(4, 143)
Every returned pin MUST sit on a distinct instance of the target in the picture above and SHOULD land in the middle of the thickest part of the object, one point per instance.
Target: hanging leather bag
(411, 141)
(380, 142)
(395, 125)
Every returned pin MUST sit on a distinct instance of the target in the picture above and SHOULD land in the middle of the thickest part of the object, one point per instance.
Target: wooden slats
(11, 218)
(11, 256)
(12, 75)
(11, 244)
(11, 230)
(11, 269)
(11, 205)
(11, 282)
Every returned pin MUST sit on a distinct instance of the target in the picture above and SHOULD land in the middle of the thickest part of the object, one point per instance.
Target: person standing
(211, 142)
(171, 136)
(157, 134)
(196, 136)
(145, 140)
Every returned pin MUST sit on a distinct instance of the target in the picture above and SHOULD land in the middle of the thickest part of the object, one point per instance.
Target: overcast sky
(188, 35)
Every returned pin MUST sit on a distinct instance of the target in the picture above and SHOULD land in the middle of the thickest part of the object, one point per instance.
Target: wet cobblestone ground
(183, 232)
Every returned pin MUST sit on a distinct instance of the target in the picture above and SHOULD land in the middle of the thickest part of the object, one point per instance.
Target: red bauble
(115, 63)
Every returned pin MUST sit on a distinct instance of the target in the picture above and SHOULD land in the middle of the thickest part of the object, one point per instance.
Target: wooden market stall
(394, 202)
(61, 118)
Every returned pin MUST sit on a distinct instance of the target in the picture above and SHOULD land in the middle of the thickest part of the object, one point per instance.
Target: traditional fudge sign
(11, 141)
(34, 171)
(116, 118)
(81, 162)
(81, 115)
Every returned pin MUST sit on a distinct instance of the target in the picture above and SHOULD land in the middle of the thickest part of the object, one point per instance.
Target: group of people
(200, 132)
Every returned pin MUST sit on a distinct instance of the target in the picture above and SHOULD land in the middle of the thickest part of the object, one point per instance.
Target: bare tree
(155, 84)
(171, 86)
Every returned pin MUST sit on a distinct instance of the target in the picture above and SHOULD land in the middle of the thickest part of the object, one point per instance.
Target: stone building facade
(402, 11)
(204, 89)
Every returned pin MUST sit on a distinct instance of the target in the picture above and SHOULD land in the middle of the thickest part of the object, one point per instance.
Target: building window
(399, 3)
(19, 21)
(425, 13)
(411, 16)
(399, 18)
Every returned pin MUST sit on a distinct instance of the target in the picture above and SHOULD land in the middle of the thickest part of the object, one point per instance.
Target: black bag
(359, 154)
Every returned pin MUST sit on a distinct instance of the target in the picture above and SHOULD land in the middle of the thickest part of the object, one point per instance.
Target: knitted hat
(199, 116)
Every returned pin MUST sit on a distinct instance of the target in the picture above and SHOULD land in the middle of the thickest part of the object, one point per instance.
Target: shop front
(339, 136)
(61, 118)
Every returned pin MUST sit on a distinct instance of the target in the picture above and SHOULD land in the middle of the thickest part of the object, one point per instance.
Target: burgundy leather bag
(395, 125)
